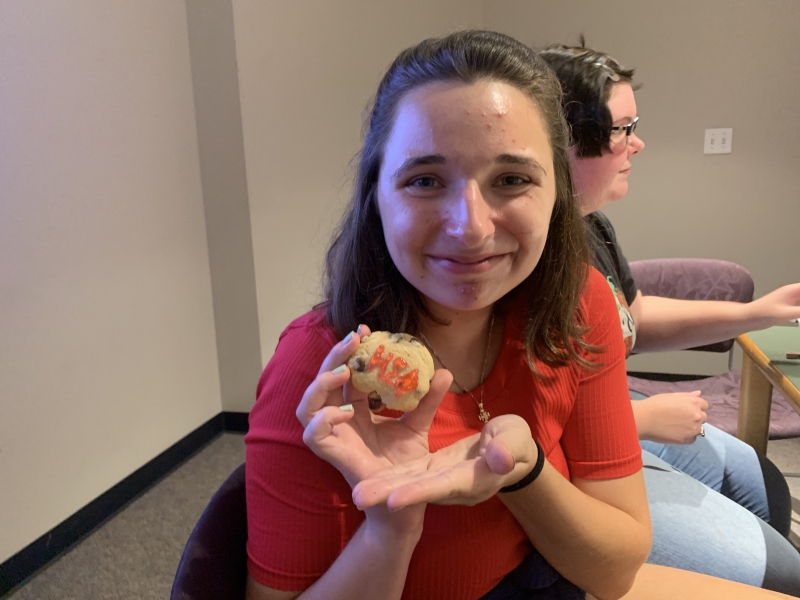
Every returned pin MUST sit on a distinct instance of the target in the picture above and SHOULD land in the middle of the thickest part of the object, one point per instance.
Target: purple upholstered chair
(707, 279)
(214, 561)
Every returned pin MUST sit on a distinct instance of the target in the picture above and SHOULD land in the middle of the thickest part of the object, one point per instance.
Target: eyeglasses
(623, 131)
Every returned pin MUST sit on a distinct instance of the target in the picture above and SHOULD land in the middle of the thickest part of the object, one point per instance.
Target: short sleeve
(609, 256)
(299, 508)
(600, 439)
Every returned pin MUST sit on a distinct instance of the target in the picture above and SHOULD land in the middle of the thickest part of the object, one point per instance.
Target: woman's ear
(572, 152)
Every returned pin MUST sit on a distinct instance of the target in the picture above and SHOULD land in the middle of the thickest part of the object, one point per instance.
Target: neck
(461, 327)
(462, 344)
(585, 208)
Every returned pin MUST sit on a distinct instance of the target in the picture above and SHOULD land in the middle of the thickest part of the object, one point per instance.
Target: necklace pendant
(483, 415)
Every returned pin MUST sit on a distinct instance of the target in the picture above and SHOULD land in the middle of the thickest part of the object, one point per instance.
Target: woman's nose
(635, 144)
(469, 216)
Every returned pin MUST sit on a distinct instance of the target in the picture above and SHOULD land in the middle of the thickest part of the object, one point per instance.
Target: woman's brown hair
(362, 283)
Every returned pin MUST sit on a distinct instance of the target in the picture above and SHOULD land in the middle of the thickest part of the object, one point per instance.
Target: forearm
(648, 418)
(593, 544)
(655, 582)
(669, 324)
(374, 564)
(643, 418)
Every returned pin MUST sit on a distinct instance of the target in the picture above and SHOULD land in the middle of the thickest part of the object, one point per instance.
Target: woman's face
(599, 180)
(465, 192)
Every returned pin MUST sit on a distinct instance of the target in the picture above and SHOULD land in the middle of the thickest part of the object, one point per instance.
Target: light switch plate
(718, 141)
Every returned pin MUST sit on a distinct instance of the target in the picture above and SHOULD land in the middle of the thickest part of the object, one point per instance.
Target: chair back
(214, 562)
(694, 279)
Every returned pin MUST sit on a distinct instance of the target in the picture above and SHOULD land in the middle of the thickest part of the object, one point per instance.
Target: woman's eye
(423, 182)
(512, 180)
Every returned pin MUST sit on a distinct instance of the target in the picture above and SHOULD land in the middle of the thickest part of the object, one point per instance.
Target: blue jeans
(705, 502)
(724, 463)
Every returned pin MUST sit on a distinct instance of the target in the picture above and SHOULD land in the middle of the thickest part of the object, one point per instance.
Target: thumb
(421, 417)
(508, 444)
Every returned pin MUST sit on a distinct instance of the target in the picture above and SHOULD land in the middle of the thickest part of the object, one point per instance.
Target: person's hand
(671, 418)
(777, 307)
(466, 473)
(351, 438)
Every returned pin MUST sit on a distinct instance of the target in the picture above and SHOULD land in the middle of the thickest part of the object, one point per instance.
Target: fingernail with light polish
(346, 407)
(339, 370)
(346, 340)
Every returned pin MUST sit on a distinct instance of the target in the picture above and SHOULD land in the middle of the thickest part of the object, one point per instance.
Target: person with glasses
(717, 506)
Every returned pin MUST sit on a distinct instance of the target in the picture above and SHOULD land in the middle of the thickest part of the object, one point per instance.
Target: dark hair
(586, 77)
(362, 283)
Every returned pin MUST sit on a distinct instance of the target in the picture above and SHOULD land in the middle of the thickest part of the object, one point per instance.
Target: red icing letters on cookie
(379, 361)
(402, 384)
(406, 383)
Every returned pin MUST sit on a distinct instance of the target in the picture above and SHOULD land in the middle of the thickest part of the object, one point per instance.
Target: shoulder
(311, 332)
(599, 225)
(301, 348)
(311, 324)
(599, 221)
(599, 311)
(596, 291)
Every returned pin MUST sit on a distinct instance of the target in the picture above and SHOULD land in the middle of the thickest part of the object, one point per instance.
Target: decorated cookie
(395, 369)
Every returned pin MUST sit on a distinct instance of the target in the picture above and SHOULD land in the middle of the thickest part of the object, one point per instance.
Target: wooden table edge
(771, 372)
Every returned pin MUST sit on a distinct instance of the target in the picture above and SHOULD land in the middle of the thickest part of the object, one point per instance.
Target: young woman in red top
(520, 471)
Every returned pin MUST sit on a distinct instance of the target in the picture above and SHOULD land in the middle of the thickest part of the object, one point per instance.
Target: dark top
(609, 260)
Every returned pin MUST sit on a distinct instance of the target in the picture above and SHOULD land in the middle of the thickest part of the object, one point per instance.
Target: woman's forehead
(486, 98)
(462, 116)
(621, 101)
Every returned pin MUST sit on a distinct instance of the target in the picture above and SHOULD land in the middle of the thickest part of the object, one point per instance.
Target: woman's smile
(466, 265)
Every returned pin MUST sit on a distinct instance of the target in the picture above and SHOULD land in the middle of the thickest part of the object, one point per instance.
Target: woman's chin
(620, 190)
(463, 298)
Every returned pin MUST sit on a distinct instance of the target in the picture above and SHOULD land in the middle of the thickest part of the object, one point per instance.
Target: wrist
(400, 529)
(531, 476)
(751, 316)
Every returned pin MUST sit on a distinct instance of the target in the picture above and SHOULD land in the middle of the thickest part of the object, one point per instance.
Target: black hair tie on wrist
(530, 477)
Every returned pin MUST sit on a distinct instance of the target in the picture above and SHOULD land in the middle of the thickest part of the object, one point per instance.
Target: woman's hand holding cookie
(322, 407)
(348, 435)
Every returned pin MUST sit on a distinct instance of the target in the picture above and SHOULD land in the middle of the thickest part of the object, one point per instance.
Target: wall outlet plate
(718, 141)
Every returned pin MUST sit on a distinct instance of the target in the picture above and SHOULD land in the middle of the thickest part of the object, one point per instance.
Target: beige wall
(716, 63)
(108, 349)
(306, 71)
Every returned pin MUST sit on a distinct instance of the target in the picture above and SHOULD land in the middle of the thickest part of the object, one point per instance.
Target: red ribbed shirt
(299, 508)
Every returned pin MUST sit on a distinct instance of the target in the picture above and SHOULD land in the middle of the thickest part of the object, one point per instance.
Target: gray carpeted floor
(135, 554)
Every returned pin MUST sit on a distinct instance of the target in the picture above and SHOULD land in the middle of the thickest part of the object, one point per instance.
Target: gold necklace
(483, 415)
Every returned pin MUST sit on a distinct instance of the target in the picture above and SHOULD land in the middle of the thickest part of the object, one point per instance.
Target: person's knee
(779, 498)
